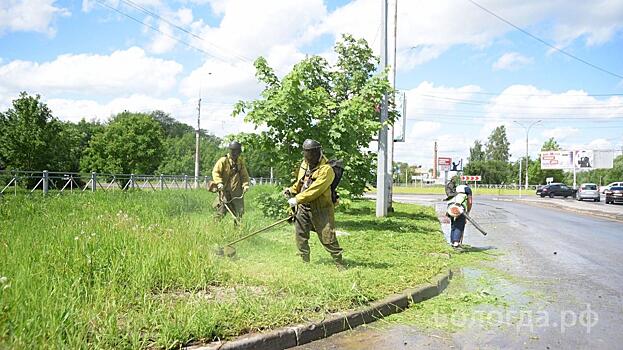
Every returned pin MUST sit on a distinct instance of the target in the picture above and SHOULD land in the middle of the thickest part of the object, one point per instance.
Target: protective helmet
(461, 188)
(310, 144)
(235, 145)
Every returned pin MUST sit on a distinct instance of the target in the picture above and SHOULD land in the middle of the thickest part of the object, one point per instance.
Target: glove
(245, 189)
(219, 187)
(287, 193)
(293, 202)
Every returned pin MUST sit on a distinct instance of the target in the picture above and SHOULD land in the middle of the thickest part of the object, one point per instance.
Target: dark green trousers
(321, 221)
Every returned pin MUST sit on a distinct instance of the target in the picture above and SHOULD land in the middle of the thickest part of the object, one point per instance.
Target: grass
(137, 269)
(441, 191)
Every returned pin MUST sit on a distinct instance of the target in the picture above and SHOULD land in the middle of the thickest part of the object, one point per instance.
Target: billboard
(580, 159)
(557, 160)
(443, 163)
(593, 159)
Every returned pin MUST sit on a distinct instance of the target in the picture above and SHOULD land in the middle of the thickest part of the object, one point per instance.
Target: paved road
(574, 262)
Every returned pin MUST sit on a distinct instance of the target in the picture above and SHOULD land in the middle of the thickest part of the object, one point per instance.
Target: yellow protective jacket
(233, 182)
(318, 194)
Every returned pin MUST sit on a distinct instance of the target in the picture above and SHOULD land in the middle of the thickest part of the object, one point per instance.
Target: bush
(271, 202)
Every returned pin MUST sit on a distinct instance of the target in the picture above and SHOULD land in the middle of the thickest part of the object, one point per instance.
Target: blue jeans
(457, 227)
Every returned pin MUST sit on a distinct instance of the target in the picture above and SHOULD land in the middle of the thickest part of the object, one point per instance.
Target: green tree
(30, 137)
(335, 105)
(130, 143)
(498, 145)
(171, 127)
(476, 153)
(179, 154)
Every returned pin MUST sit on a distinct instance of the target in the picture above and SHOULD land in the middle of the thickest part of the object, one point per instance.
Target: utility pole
(381, 173)
(197, 143)
(435, 161)
(527, 132)
(390, 138)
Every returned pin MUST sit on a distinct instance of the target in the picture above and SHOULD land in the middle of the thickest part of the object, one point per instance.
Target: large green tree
(476, 153)
(171, 127)
(130, 143)
(179, 154)
(30, 137)
(336, 105)
(498, 145)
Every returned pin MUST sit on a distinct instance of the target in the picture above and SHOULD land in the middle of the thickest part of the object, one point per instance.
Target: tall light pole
(381, 173)
(527, 132)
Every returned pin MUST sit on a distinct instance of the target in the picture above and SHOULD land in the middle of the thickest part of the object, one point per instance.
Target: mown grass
(138, 269)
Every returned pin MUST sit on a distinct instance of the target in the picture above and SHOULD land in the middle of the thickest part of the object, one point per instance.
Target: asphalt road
(571, 263)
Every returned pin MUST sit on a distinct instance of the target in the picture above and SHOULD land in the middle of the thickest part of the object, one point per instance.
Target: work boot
(339, 263)
(305, 258)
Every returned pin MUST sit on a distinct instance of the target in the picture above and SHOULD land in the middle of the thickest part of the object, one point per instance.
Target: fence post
(205, 180)
(161, 183)
(185, 181)
(93, 181)
(45, 182)
(131, 181)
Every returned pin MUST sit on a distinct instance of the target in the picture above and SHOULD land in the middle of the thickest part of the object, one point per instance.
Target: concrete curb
(600, 213)
(302, 334)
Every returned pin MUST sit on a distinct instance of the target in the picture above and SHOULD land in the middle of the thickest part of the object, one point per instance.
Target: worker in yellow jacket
(232, 180)
(311, 195)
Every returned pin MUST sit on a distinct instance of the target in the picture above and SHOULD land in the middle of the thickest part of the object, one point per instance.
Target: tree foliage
(30, 137)
(476, 153)
(179, 154)
(498, 145)
(335, 105)
(131, 143)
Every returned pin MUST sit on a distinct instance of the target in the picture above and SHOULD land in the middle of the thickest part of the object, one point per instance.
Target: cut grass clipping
(138, 270)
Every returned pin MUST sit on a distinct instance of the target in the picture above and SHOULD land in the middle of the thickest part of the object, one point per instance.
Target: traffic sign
(470, 178)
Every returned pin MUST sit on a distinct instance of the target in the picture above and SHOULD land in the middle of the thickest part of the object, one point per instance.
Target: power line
(151, 13)
(527, 95)
(480, 102)
(543, 41)
(153, 28)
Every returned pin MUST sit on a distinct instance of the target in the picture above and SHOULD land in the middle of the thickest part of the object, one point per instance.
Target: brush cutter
(212, 187)
(229, 251)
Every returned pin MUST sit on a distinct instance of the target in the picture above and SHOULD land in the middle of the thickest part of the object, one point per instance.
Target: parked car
(614, 195)
(587, 191)
(540, 188)
(555, 189)
(602, 189)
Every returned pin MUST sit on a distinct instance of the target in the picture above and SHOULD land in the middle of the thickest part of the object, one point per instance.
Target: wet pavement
(565, 274)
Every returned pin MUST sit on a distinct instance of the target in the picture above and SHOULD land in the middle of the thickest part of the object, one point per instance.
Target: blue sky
(463, 70)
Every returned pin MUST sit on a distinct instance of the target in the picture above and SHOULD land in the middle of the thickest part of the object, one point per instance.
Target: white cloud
(252, 28)
(123, 72)
(74, 110)
(434, 26)
(30, 16)
(561, 134)
(163, 41)
(512, 61)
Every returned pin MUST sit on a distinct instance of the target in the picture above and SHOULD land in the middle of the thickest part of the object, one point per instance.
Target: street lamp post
(527, 132)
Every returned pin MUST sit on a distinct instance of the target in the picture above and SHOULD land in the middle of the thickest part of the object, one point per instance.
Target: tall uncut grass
(138, 269)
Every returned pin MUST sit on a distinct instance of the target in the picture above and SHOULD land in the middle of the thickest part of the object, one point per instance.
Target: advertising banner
(444, 163)
(557, 160)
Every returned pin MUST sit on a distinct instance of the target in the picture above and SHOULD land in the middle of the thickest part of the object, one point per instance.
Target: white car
(587, 191)
(607, 187)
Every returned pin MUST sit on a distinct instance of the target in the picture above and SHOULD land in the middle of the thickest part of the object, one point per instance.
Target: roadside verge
(288, 337)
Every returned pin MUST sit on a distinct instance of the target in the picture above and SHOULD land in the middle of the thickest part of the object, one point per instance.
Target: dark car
(555, 189)
(614, 195)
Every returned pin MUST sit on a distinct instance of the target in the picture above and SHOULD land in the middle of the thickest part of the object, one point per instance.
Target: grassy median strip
(138, 269)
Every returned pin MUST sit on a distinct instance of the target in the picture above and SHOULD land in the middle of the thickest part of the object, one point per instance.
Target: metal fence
(17, 181)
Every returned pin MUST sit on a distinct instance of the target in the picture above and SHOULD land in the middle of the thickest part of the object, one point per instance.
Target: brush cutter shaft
(260, 230)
